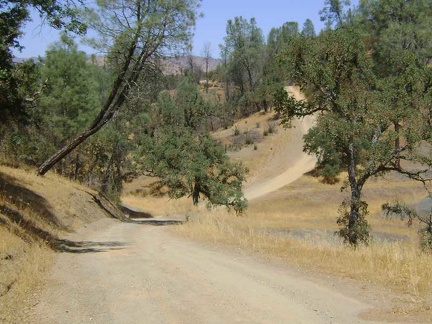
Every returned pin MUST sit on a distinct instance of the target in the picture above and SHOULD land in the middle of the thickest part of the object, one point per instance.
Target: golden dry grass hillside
(36, 213)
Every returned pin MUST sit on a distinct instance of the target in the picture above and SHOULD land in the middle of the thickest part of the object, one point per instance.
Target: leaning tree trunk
(112, 104)
(119, 92)
(65, 150)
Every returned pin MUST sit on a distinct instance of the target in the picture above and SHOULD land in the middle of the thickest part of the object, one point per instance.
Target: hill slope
(36, 213)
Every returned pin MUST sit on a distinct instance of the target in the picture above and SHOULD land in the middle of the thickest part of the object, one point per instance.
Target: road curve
(295, 167)
(157, 277)
(146, 274)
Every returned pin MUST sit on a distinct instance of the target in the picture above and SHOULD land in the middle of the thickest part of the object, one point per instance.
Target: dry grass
(35, 213)
(297, 223)
(397, 265)
(22, 268)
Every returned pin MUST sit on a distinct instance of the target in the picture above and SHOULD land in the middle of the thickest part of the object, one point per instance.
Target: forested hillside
(366, 76)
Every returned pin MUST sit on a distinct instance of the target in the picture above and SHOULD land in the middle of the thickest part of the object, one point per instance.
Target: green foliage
(71, 99)
(308, 29)
(183, 155)
(193, 165)
(243, 54)
(13, 15)
(133, 34)
(409, 213)
(335, 13)
(371, 117)
(351, 232)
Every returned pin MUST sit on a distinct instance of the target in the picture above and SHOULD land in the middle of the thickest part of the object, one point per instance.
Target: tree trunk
(68, 148)
(397, 145)
(265, 104)
(112, 104)
(207, 76)
(196, 193)
(355, 197)
(77, 166)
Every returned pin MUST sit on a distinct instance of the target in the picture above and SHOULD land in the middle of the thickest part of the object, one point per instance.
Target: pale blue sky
(211, 28)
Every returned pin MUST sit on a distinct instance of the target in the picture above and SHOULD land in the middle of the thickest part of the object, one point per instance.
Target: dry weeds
(22, 268)
(398, 265)
(297, 224)
(37, 211)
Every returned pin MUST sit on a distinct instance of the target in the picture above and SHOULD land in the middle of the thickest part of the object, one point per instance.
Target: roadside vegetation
(296, 226)
(106, 121)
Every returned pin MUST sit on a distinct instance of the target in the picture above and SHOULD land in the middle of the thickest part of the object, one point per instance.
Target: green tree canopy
(244, 45)
(182, 154)
(191, 164)
(13, 16)
(355, 129)
(133, 33)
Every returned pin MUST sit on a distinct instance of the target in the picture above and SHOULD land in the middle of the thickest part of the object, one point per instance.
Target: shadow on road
(11, 217)
(158, 222)
(62, 245)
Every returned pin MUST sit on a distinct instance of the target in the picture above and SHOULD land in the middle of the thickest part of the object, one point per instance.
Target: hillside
(36, 216)
(175, 65)
(281, 255)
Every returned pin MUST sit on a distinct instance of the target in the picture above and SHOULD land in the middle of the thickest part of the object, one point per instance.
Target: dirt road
(288, 162)
(132, 273)
(287, 165)
(146, 274)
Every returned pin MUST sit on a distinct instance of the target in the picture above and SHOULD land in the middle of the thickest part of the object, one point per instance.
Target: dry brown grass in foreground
(396, 265)
(35, 213)
(297, 224)
(22, 267)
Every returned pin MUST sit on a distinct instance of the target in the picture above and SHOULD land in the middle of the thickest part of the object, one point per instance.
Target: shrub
(249, 140)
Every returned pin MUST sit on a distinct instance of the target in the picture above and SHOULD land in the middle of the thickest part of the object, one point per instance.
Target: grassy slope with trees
(366, 78)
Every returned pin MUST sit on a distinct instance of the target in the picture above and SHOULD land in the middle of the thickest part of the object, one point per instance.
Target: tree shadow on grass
(23, 197)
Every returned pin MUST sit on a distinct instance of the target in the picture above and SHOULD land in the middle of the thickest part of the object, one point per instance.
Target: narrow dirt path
(289, 162)
(158, 278)
(287, 166)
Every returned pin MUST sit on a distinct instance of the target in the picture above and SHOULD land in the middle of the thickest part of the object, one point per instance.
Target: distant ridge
(170, 65)
(175, 65)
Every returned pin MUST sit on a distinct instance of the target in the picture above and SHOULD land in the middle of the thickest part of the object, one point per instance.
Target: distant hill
(20, 60)
(174, 65)
(170, 65)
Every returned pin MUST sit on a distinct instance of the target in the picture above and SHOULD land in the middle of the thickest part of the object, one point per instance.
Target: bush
(249, 140)
(271, 127)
